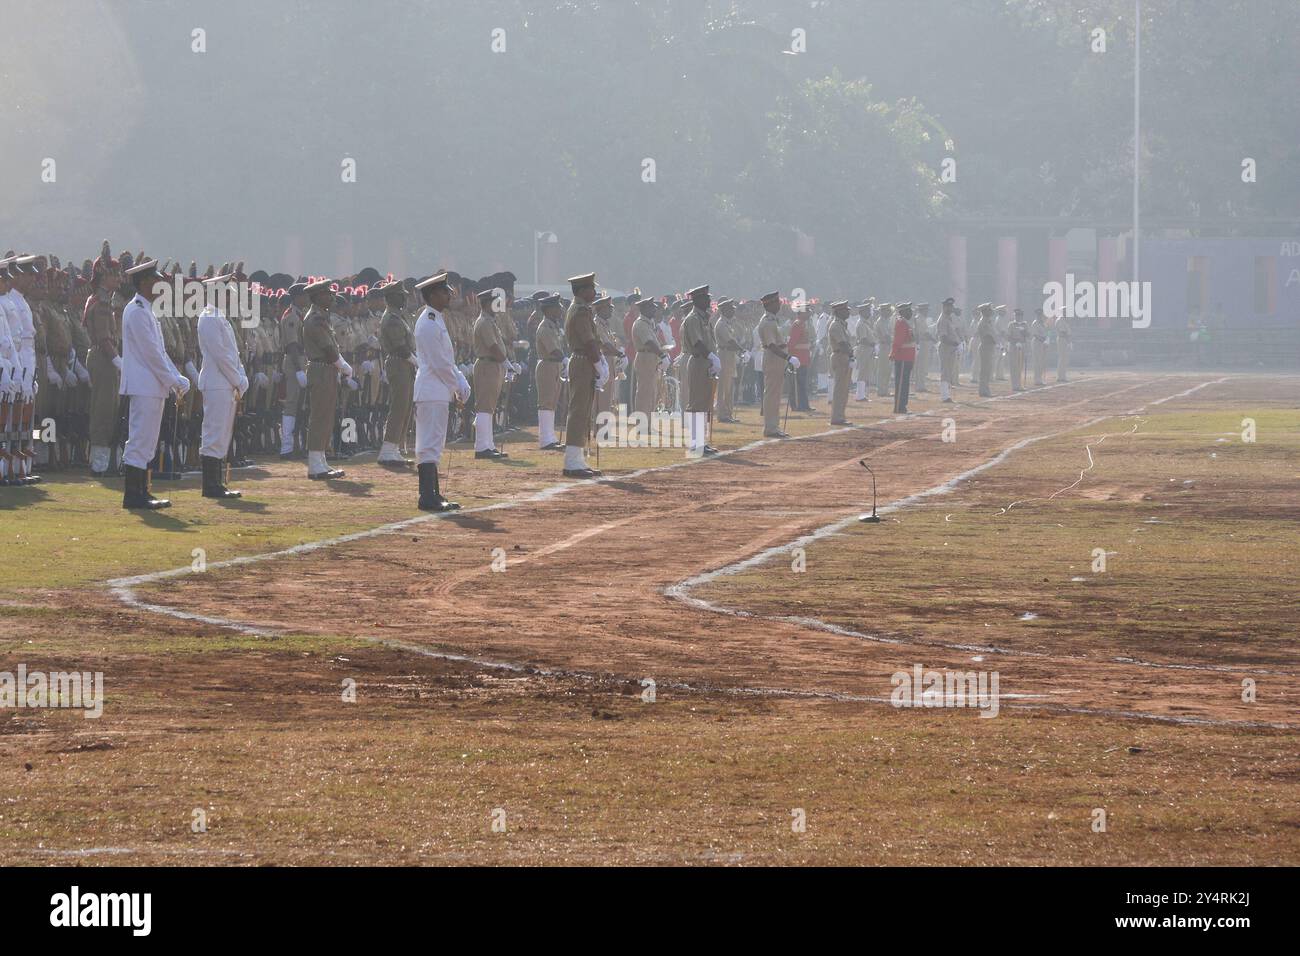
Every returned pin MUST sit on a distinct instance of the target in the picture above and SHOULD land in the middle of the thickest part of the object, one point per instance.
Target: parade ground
(690, 660)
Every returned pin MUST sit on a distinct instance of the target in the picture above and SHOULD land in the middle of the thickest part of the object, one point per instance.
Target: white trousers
(482, 431)
(546, 427)
(218, 422)
(143, 421)
(430, 431)
(287, 423)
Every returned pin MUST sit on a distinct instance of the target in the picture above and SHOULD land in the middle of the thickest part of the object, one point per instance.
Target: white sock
(545, 427)
(286, 434)
(701, 428)
(945, 392)
(98, 457)
(316, 463)
(388, 452)
(483, 431)
(573, 458)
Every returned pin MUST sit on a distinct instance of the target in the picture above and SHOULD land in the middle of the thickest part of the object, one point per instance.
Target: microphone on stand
(872, 518)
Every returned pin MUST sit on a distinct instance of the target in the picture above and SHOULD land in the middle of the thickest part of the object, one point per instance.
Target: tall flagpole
(1137, 134)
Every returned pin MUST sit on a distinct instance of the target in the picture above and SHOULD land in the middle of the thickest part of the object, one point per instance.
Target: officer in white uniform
(437, 382)
(223, 382)
(21, 333)
(148, 376)
(11, 389)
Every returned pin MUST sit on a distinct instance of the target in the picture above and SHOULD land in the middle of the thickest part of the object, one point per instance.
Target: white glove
(564, 369)
(794, 362)
(353, 384)
(343, 366)
(190, 370)
(117, 362)
(82, 374)
(367, 366)
(51, 375)
(301, 376)
(602, 373)
(664, 363)
(744, 357)
(182, 385)
(715, 364)
(462, 386)
(242, 387)
(383, 377)
(261, 380)
(69, 379)
(276, 376)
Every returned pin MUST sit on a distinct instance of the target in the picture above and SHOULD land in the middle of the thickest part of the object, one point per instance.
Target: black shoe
(327, 475)
(402, 465)
(431, 498)
(491, 454)
(213, 487)
(581, 473)
(833, 422)
(136, 494)
(708, 450)
(553, 446)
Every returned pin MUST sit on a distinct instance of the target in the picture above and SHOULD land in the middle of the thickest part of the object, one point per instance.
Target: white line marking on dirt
(123, 588)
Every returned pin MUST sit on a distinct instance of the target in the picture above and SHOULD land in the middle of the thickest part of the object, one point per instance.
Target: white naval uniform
(21, 378)
(11, 378)
(222, 381)
(437, 381)
(148, 376)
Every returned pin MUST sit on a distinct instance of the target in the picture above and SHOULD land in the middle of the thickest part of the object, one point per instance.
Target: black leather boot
(136, 490)
(213, 487)
(431, 498)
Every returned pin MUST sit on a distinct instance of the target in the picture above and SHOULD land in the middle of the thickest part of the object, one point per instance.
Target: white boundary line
(124, 588)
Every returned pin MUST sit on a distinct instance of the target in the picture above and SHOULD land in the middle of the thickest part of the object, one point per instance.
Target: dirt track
(587, 570)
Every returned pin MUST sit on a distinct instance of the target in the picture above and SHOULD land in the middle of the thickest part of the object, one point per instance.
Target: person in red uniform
(800, 346)
(903, 354)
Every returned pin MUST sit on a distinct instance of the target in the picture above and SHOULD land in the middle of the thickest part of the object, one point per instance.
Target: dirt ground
(501, 661)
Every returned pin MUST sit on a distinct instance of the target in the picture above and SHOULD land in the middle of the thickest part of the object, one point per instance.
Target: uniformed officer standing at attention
(884, 340)
(104, 361)
(864, 349)
(293, 364)
(148, 376)
(587, 370)
(726, 333)
(490, 361)
(986, 336)
(325, 366)
(702, 367)
(437, 382)
(1017, 337)
(650, 360)
(222, 382)
(924, 340)
(549, 345)
(610, 347)
(1064, 336)
(949, 336)
(837, 334)
(398, 345)
(1038, 346)
(775, 361)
